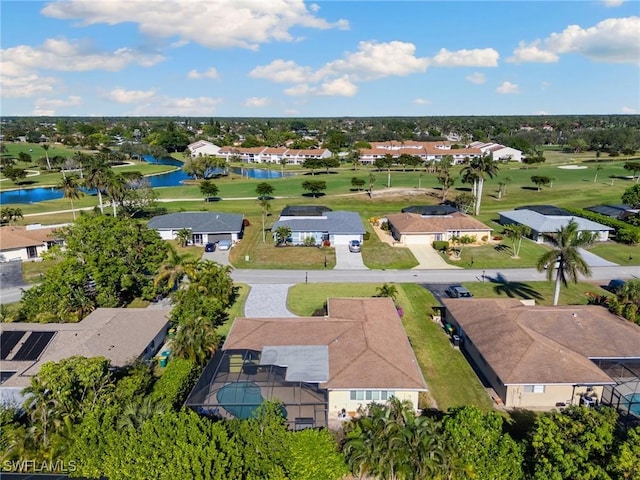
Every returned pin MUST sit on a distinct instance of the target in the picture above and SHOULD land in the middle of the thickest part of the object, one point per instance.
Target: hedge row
(176, 382)
(625, 233)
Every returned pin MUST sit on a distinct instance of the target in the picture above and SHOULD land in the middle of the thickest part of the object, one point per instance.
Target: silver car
(354, 246)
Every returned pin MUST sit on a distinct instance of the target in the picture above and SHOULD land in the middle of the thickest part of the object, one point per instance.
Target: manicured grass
(498, 255)
(378, 255)
(139, 303)
(236, 310)
(617, 253)
(541, 292)
(450, 378)
(305, 299)
(32, 272)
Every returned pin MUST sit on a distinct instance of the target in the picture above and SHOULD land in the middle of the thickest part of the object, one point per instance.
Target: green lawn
(236, 310)
(617, 253)
(499, 255)
(381, 256)
(450, 378)
(541, 292)
(32, 271)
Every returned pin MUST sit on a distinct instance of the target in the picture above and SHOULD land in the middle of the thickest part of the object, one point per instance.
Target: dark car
(458, 291)
(616, 285)
(210, 247)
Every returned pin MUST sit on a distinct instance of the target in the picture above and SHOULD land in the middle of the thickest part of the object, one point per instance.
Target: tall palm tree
(115, 187)
(515, 232)
(184, 236)
(172, 271)
(70, 187)
(45, 147)
(565, 258)
(195, 340)
(475, 172)
(98, 176)
(265, 205)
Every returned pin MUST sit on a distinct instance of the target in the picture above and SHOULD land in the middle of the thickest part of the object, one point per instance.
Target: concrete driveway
(268, 301)
(346, 260)
(428, 258)
(219, 256)
(593, 260)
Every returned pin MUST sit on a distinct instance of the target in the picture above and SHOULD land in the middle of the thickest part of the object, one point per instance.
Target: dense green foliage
(175, 383)
(624, 232)
(107, 262)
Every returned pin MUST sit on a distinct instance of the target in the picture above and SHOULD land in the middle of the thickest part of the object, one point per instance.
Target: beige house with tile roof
(416, 229)
(541, 356)
(25, 243)
(357, 354)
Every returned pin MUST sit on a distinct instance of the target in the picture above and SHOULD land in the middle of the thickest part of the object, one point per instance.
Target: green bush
(625, 233)
(366, 236)
(440, 245)
(175, 383)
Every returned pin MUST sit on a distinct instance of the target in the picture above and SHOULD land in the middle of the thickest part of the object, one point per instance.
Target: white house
(498, 152)
(203, 148)
(26, 243)
(206, 227)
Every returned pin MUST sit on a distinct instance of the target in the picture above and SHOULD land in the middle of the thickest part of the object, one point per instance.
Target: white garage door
(417, 239)
(345, 239)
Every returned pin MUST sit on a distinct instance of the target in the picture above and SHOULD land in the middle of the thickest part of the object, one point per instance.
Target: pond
(168, 179)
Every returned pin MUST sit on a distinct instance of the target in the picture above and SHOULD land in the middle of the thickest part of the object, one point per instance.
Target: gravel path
(267, 301)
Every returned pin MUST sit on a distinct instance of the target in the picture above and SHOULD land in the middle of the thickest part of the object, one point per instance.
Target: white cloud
(41, 112)
(120, 95)
(477, 78)
(244, 24)
(612, 3)
(507, 88)
(542, 112)
(421, 101)
(292, 112)
(614, 40)
(196, 75)
(340, 77)
(532, 53)
(282, 71)
(628, 110)
(256, 102)
(53, 103)
(178, 106)
(25, 85)
(478, 57)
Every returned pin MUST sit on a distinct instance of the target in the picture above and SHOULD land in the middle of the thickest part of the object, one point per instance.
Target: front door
(197, 239)
(32, 252)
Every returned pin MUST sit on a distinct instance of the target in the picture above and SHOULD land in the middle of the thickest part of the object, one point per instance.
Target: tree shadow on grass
(313, 195)
(534, 189)
(502, 248)
(513, 289)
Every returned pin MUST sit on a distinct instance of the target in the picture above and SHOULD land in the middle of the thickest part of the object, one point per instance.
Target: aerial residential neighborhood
(320, 241)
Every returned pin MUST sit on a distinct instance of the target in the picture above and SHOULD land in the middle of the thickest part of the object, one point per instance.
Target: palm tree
(10, 215)
(282, 234)
(387, 290)
(184, 236)
(45, 146)
(71, 190)
(265, 205)
(195, 340)
(478, 169)
(515, 232)
(565, 257)
(135, 414)
(98, 177)
(115, 187)
(213, 279)
(173, 270)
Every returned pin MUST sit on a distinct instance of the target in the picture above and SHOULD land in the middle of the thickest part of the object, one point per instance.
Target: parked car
(224, 244)
(354, 246)
(210, 247)
(458, 291)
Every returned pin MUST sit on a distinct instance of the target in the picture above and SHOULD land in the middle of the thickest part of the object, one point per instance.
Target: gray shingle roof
(550, 224)
(337, 223)
(198, 222)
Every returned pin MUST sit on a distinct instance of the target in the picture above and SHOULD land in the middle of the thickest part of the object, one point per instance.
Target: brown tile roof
(19, 237)
(542, 345)
(274, 151)
(311, 151)
(368, 347)
(408, 223)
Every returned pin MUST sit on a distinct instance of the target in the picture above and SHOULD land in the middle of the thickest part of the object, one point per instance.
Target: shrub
(374, 221)
(366, 236)
(175, 383)
(309, 242)
(385, 226)
(485, 238)
(440, 245)
(625, 233)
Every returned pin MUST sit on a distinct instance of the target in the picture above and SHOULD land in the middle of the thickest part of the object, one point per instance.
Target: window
(534, 389)
(368, 395)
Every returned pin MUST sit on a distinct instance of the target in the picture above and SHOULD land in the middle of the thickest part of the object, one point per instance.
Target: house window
(534, 389)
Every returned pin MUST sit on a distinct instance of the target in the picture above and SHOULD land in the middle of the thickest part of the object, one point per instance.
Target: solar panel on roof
(34, 346)
(8, 340)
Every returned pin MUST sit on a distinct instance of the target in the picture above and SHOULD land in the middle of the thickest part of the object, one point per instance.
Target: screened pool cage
(234, 384)
(624, 396)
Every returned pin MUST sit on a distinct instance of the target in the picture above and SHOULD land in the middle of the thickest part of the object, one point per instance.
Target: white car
(224, 244)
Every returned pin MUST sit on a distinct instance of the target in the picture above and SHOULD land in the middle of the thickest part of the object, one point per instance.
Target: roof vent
(574, 315)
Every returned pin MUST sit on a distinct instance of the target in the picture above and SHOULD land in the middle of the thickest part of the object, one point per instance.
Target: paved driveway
(428, 258)
(346, 260)
(267, 301)
(219, 256)
(595, 261)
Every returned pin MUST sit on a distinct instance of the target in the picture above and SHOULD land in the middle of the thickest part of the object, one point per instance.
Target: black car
(458, 291)
(210, 247)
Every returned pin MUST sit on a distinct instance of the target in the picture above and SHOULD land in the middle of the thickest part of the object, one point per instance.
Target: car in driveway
(210, 247)
(355, 246)
(224, 244)
(458, 291)
(616, 285)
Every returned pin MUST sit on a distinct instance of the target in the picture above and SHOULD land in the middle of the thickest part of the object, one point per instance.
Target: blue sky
(286, 58)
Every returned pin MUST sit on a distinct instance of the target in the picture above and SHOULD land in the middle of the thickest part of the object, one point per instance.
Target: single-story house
(614, 211)
(498, 152)
(26, 243)
(122, 335)
(337, 228)
(542, 225)
(206, 227)
(303, 211)
(318, 367)
(540, 356)
(203, 148)
(416, 229)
